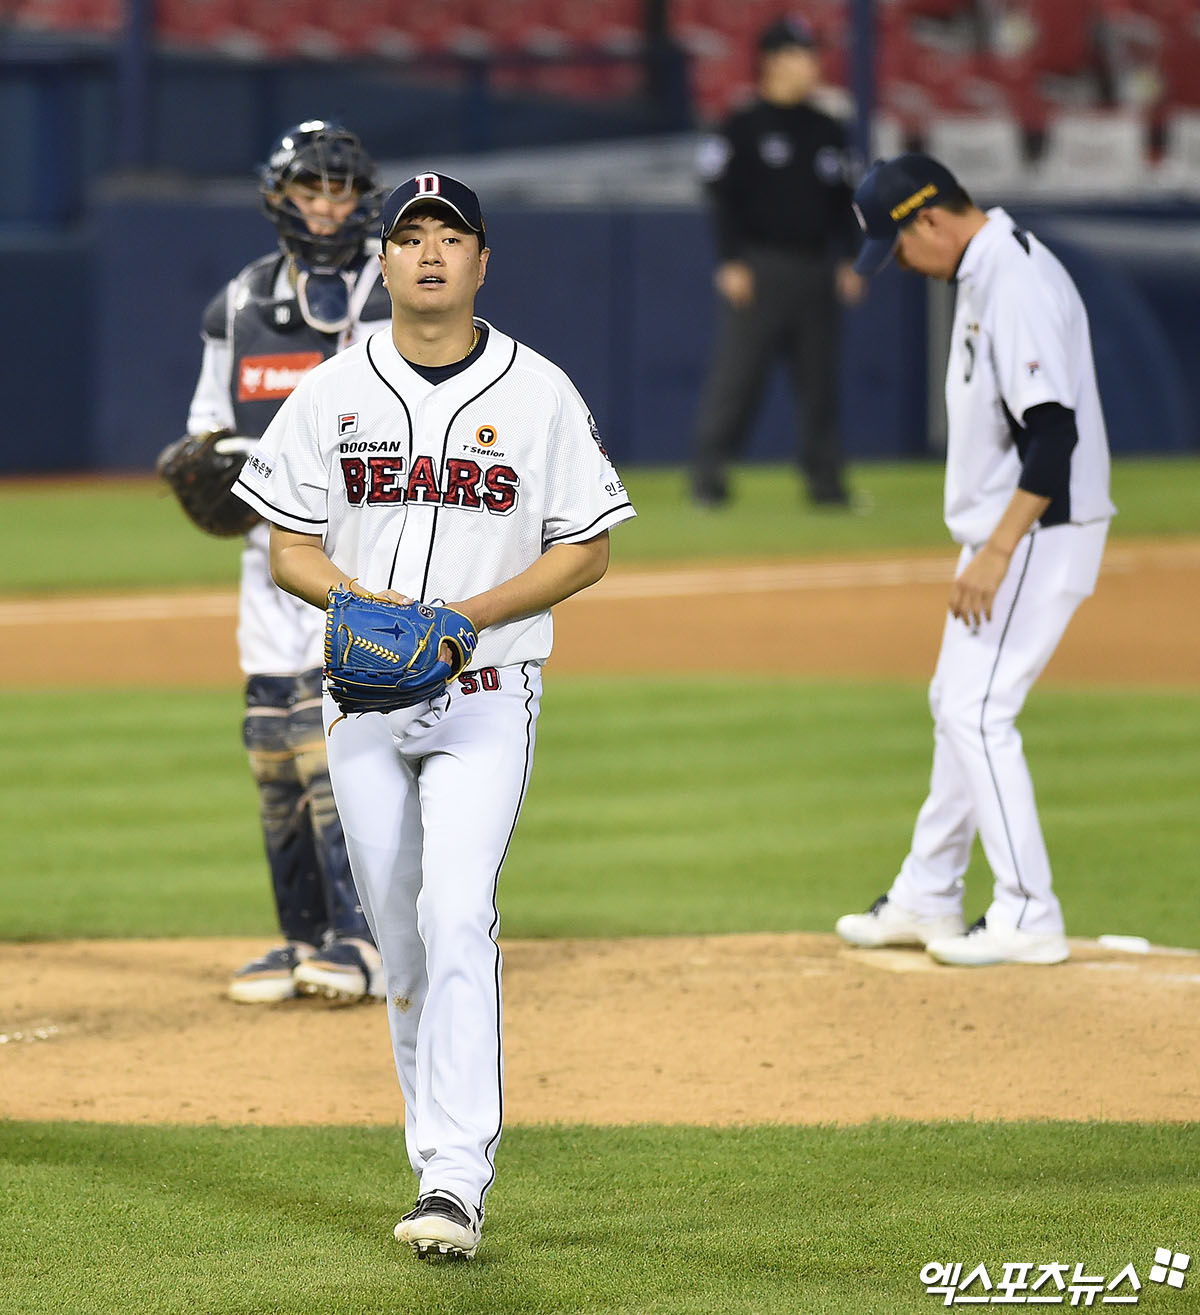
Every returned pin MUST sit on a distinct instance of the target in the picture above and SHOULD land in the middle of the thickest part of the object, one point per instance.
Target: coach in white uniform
(1027, 496)
(440, 459)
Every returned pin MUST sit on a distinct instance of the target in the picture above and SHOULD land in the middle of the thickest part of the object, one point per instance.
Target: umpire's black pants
(793, 319)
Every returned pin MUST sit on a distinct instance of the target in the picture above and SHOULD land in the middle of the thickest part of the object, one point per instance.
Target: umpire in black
(778, 173)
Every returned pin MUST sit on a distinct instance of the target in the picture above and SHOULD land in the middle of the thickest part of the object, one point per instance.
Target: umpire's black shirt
(779, 177)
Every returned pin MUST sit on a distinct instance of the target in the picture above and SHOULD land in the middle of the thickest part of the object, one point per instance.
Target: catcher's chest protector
(272, 345)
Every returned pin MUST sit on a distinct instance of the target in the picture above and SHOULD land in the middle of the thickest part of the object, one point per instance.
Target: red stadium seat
(1064, 40)
(524, 26)
(368, 27)
(85, 17)
(1181, 62)
(285, 28)
(198, 24)
(444, 27)
(719, 82)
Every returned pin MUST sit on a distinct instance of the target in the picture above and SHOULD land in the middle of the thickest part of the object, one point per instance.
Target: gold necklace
(474, 343)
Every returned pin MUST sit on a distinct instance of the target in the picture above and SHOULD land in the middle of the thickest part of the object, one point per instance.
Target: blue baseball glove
(381, 655)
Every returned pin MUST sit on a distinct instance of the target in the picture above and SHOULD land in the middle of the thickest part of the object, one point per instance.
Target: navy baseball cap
(888, 197)
(785, 32)
(438, 188)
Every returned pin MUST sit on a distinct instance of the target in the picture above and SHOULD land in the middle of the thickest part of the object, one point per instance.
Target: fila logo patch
(348, 424)
(272, 378)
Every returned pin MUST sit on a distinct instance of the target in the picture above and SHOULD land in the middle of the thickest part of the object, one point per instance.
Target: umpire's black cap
(440, 189)
(888, 197)
(785, 32)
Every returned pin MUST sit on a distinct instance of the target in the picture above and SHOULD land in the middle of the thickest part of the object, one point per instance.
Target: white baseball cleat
(985, 945)
(347, 969)
(885, 923)
(439, 1225)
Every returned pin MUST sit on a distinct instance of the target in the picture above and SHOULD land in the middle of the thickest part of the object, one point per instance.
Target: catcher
(316, 294)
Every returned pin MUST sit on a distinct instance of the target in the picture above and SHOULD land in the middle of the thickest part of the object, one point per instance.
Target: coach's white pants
(429, 799)
(980, 781)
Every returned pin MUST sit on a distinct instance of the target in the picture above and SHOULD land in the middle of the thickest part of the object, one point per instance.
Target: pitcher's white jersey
(439, 491)
(1020, 339)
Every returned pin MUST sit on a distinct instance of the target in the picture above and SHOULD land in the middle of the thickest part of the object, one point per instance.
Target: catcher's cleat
(346, 970)
(885, 923)
(440, 1226)
(271, 977)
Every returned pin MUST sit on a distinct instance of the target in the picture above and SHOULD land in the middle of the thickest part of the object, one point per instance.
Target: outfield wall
(104, 341)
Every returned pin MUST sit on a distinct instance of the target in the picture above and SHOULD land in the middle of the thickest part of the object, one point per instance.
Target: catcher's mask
(324, 155)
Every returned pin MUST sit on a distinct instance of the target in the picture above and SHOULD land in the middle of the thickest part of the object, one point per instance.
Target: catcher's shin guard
(284, 812)
(310, 870)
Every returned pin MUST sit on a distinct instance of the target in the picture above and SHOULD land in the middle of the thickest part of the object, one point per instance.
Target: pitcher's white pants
(980, 781)
(429, 799)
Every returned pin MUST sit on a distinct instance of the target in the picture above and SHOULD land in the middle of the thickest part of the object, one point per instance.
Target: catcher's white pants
(429, 798)
(980, 781)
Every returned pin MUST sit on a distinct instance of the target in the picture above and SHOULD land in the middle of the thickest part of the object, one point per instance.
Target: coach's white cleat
(984, 945)
(440, 1225)
(346, 970)
(885, 923)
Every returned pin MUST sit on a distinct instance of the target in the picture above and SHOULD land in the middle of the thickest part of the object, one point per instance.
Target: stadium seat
(525, 27)
(444, 27)
(287, 29)
(199, 24)
(83, 17)
(370, 28)
(1181, 60)
(1064, 36)
(933, 8)
(612, 25)
(887, 137)
(696, 31)
(984, 152)
(721, 81)
(1180, 166)
(1094, 151)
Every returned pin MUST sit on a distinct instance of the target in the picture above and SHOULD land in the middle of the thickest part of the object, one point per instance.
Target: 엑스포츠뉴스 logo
(1053, 1283)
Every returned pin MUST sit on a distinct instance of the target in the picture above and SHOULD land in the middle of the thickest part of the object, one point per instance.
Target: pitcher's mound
(706, 1030)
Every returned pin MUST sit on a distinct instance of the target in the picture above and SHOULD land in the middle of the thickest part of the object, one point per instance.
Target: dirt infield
(869, 618)
(718, 1030)
(709, 1030)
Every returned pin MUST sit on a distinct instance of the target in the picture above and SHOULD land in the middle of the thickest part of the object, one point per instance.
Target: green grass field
(665, 807)
(658, 807)
(635, 1221)
(110, 534)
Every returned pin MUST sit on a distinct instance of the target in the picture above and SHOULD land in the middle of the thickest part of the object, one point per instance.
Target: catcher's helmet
(320, 153)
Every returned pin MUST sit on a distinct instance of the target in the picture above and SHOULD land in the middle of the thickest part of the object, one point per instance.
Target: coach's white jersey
(1020, 339)
(439, 491)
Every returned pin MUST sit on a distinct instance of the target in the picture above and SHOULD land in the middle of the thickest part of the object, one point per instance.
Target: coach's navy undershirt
(437, 374)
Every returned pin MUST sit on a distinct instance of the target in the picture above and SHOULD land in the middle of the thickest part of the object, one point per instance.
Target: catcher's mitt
(201, 471)
(381, 655)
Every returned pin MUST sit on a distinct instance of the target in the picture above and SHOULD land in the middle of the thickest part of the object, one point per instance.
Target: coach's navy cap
(785, 32)
(438, 188)
(888, 197)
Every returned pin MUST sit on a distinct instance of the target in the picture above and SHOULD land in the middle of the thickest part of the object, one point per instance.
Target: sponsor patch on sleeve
(259, 466)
